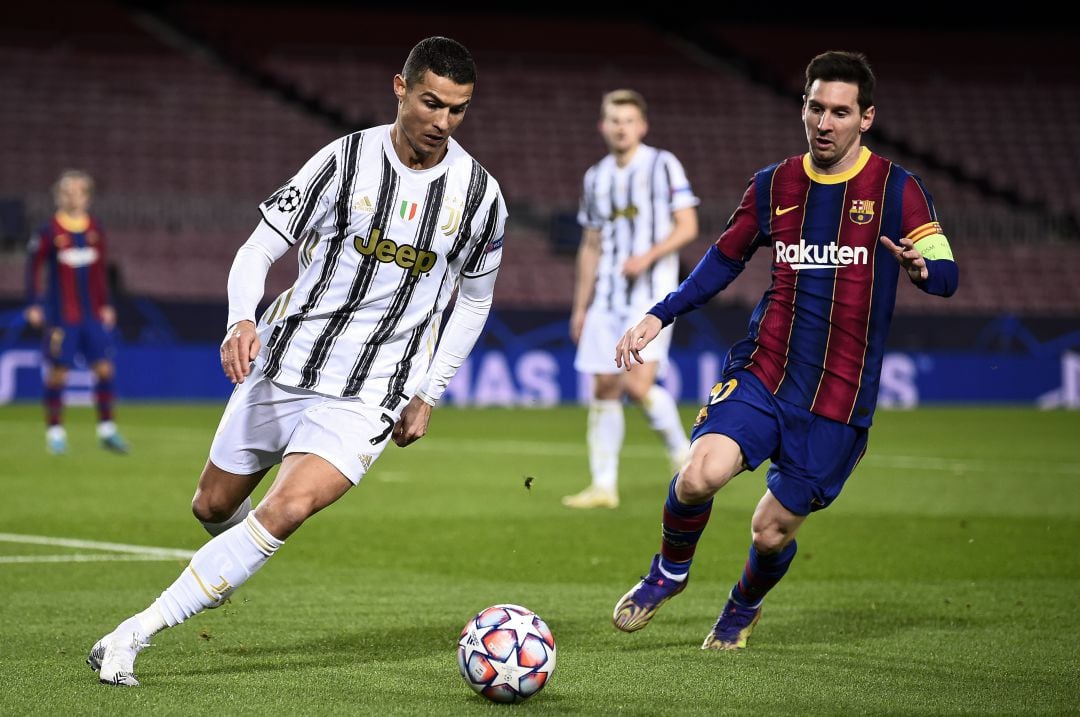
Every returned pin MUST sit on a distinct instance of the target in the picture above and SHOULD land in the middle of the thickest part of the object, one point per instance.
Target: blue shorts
(812, 456)
(88, 339)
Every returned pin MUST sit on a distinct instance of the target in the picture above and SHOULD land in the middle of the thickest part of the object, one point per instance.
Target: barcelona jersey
(66, 271)
(817, 338)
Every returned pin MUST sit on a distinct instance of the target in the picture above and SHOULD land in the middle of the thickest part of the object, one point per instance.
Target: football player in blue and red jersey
(842, 224)
(68, 296)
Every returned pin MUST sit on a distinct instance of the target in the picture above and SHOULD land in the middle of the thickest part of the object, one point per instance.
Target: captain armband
(931, 243)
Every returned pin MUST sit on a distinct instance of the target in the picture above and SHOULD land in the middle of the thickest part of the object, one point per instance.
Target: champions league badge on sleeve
(289, 200)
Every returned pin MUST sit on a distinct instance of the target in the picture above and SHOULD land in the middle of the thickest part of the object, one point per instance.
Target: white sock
(663, 415)
(215, 571)
(106, 429)
(605, 438)
(240, 514)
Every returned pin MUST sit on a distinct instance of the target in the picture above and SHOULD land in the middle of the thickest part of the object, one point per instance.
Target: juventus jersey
(381, 248)
(631, 206)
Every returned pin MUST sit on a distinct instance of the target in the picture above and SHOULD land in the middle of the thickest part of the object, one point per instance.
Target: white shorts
(600, 334)
(263, 422)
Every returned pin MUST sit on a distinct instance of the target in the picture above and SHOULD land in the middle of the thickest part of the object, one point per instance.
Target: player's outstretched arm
(635, 340)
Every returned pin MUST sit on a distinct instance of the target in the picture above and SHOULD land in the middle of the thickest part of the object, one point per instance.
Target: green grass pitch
(944, 580)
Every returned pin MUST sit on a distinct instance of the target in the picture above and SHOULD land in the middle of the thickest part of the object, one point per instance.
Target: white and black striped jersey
(381, 248)
(632, 208)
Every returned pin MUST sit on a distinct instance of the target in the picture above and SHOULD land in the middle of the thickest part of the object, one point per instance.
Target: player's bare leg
(774, 528)
(305, 485)
(223, 499)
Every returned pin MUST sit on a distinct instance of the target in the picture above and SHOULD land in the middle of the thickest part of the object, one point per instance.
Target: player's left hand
(107, 316)
(636, 265)
(911, 260)
(413, 424)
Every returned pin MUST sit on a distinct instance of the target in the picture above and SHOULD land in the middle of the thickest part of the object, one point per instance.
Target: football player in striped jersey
(637, 211)
(386, 224)
(843, 225)
(68, 299)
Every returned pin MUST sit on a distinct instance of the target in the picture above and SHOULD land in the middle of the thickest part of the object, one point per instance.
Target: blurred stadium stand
(189, 113)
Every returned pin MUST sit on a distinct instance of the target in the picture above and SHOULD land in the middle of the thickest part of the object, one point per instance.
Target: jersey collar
(864, 157)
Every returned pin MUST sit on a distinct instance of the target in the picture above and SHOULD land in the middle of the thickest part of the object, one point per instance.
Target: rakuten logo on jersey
(817, 256)
(77, 256)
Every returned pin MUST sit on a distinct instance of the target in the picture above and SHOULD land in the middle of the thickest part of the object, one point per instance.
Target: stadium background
(189, 113)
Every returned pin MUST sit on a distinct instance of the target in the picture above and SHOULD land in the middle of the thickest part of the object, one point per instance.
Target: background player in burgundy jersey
(801, 388)
(68, 296)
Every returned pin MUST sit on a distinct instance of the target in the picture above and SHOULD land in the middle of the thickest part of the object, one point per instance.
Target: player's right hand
(636, 339)
(239, 349)
(577, 323)
(35, 316)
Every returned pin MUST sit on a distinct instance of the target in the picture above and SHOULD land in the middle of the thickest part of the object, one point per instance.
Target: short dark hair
(840, 66)
(444, 57)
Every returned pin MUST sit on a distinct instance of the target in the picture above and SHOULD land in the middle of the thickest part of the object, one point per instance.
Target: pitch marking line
(114, 551)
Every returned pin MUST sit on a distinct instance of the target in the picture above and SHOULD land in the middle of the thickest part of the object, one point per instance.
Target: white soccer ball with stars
(506, 653)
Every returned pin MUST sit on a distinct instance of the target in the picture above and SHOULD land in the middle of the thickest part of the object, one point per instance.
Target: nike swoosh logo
(781, 212)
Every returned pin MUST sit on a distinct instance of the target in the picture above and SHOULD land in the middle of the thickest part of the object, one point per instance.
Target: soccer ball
(506, 653)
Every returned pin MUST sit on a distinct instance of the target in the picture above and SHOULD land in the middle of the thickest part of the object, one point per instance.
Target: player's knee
(208, 508)
(104, 370)
(771, 539)
(637, 394)
(282, 518)
(697, 480)
(607, 387)
(704, 473)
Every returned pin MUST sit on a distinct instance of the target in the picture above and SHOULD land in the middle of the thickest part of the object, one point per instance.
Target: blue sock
(683, 526)
(761, 573)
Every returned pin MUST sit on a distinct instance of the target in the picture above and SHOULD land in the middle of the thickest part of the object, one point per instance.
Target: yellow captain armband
(931, 243)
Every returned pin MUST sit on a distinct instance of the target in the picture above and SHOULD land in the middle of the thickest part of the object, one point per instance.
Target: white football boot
(113, 656)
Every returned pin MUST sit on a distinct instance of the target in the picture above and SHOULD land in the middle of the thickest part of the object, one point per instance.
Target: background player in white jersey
(637, 211)
(387, 221)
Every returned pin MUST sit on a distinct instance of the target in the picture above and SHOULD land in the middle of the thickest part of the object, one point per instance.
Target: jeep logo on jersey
(417, 261)
(628, 212)
(817, 256)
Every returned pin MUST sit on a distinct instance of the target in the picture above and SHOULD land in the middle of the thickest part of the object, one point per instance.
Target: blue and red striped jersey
(66, 272)
(817, 338)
